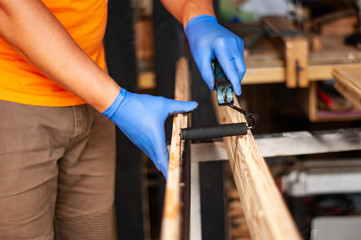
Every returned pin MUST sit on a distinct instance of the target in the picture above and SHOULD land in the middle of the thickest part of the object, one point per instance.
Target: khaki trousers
(57, 170)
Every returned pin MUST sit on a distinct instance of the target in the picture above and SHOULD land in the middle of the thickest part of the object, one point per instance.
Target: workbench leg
(212, 200)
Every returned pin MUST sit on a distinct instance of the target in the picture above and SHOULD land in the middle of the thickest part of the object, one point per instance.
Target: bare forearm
(185, 10)
(29, 27)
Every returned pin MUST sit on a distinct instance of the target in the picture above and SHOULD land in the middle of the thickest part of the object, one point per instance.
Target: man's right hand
(209, 40)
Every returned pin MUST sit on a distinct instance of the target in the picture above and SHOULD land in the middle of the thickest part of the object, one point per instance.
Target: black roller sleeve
(225, 130)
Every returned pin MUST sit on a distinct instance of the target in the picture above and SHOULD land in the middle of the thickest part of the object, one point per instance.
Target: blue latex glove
(209, 40)
(141, 118)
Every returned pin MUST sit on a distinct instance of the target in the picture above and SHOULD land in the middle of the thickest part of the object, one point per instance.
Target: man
(57, 152)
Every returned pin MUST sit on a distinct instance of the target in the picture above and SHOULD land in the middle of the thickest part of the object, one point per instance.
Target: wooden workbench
(266, 65)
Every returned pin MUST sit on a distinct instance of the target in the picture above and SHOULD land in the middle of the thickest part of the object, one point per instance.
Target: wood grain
(172, 214)
(266, 213)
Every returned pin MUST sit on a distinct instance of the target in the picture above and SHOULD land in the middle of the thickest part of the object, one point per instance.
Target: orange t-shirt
(22, 83)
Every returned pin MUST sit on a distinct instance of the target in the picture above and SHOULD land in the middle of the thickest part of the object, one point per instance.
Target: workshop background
(143, 42)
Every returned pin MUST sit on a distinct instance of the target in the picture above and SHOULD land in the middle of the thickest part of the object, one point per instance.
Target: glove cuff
(115, 105)
(197, 19)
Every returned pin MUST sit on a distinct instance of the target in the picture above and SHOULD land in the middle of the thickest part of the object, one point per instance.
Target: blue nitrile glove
(141, 118)
(208, 40)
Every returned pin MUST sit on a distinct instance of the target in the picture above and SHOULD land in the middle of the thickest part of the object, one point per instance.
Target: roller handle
(221, 80)
(224, 130)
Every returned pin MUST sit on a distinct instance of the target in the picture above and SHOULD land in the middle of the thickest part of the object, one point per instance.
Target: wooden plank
(172, 212)
(266, 213)
(322, 72)
(349, 84)
(264, 75)
(350, 77)
(349, 94)
(278, 26)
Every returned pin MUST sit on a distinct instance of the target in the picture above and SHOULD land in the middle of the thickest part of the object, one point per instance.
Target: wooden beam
(349, 84)
(349, 94)
(266, 212)
(172, 212)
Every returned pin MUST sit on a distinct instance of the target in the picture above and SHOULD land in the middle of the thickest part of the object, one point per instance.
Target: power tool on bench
(225, 98)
